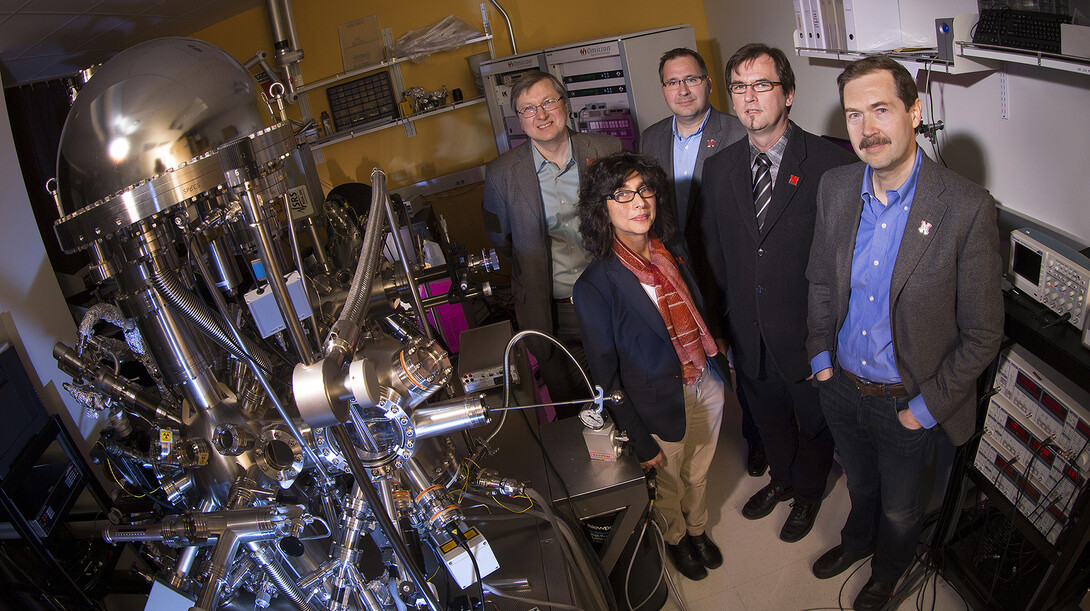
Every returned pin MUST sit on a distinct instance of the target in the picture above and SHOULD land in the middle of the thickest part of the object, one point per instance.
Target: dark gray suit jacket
(761, 275)
(514, 222)
(720, 131)
(946, 308)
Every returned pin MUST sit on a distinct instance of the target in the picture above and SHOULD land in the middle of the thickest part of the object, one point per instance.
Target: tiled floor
(759, 571)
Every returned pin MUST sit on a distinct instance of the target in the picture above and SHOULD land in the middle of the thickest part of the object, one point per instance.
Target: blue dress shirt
(684, 160)
(865, 341)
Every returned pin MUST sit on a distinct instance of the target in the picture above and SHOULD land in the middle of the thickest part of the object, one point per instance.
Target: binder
(801, 26)
(835, 35)
(818, 23)
(808, 24)
(874, 24)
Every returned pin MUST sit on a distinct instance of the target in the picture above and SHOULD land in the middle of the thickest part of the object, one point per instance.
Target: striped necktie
(762, 188)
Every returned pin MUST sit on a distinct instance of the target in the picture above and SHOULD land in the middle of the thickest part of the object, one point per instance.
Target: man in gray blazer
(905, 312)
(681, 143)
(529, 215)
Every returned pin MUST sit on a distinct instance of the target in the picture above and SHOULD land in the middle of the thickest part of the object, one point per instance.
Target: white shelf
(348, 134)
(1065, 63)
(924, 58)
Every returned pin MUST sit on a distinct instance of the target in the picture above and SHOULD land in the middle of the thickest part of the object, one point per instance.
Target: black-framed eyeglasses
(530, 110)
(759, 87)
(690, 82)
(623, 196)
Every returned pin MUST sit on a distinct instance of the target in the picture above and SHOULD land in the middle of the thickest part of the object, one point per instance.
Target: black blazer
(629, 350)
(761, 275)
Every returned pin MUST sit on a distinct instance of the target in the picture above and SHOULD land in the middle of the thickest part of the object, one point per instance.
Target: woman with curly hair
(641, 318)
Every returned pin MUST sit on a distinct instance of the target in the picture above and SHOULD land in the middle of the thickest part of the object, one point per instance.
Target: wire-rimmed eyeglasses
(690, 81)
(530, 110)
(759, 87)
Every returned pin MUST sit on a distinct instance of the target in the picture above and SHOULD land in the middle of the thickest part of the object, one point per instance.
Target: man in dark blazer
(681, 143)
(905, 312)
(528, 210)
(758, 244)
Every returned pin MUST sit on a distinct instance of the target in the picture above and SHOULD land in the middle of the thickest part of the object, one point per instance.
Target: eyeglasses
(623, 196)
(530, 110)
(690, 81)
(759, 87)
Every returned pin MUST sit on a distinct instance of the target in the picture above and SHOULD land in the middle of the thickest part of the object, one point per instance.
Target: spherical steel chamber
(148, 111)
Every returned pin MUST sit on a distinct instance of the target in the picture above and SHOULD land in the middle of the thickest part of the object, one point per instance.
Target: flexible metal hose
(279, 575)
(185, 303)
(355, 306)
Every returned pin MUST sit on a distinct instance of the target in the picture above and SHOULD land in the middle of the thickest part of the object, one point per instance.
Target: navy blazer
(628, 349)
(761, 274)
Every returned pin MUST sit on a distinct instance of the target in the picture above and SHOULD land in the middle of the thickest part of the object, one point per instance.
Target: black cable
(476, 569)
(549, 462)
(144, 491)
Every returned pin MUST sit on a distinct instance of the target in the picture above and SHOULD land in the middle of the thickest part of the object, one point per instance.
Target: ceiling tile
(23, 31)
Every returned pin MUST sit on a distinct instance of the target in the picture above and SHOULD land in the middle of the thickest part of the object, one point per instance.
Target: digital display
(1019, 431)
(1054, 406)
(1026, 263)
(1043, 451)
(1028, 385)
(582, 93)
(1056, 513)
(1073, 475)
(593, 76)
(1083, 428)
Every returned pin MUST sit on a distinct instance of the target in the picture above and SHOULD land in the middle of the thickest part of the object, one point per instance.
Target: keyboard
(1029, 30)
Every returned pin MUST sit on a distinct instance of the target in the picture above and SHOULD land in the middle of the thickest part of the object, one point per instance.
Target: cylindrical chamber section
(175, 349)
(228, 277)
(450, 416)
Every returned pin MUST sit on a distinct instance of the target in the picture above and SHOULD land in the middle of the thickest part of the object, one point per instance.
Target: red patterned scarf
(688, 333)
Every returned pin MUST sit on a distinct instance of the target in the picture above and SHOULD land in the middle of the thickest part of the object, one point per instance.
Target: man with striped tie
(759, 199)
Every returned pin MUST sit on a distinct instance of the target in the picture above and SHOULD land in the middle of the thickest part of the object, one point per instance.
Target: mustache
(873, 141)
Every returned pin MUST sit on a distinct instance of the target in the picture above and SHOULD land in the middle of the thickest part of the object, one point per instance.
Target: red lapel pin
(794, 180)
(711, 143)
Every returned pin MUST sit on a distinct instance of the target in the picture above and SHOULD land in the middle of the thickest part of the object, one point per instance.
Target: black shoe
(800, 521)
(874, 595)
(756, 461)
(706, 551)
(685, 561)
(765, 500)
(836, 561)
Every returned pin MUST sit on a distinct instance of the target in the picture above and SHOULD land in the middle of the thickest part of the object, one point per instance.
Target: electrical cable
(472, 558)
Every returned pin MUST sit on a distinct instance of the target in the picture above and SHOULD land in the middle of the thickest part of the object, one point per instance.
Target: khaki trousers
(682, 480)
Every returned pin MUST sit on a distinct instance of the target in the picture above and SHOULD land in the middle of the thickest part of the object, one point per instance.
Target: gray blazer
(946, 308)
(657, 141)
(514, 222)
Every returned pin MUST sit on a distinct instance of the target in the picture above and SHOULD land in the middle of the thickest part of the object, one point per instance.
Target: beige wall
(455, 140)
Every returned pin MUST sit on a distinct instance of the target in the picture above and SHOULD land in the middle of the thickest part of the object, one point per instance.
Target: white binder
(872, 25)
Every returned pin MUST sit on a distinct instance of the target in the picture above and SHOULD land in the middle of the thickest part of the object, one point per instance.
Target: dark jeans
(886, 466)
(797, 441)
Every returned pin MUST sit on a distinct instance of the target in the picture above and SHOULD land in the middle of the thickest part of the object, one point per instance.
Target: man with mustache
(905, 313)
(758, 214)
(529, 215)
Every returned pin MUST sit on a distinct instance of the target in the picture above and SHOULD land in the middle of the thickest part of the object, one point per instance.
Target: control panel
(1036, 443)
(1051, 272)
